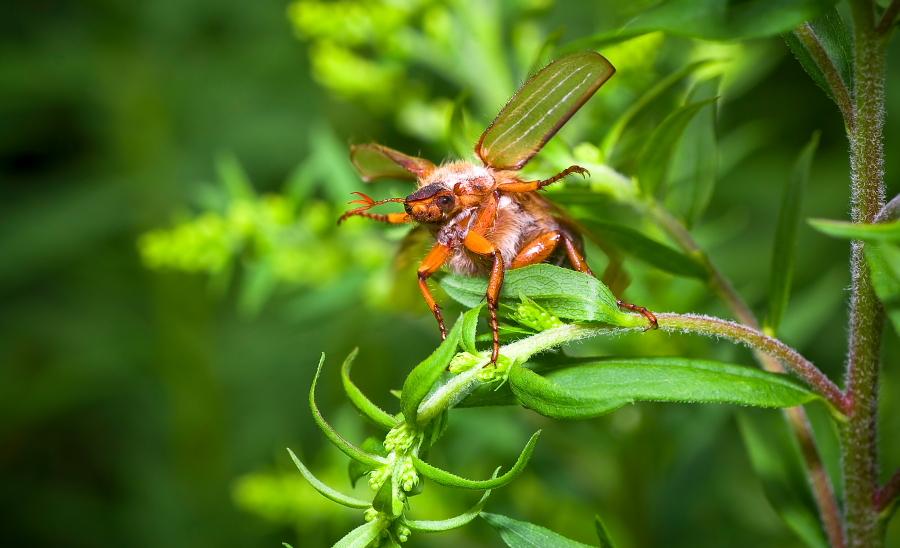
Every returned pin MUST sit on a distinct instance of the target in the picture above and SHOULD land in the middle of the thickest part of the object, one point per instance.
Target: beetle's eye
(444, 201)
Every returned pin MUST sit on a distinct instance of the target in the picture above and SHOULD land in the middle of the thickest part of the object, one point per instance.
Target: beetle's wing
(540, 107)
(374, 161)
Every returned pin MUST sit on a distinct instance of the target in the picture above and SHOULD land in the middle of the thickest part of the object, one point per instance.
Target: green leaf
(442, 477)
(469, 327)
(836, 39)
(785, 246)
(778, 464)
(884, 266)
(356, 470)
(359, 400)
(345, 446)
(233, 178)
(603, 534)
(597, 387)
(716, 19)
(649, 98)
(565, 293)
(521, 534)
(879, 232)
(362, 536)
(648, 250)
(695, 164)
(423, 377)
(430, 526)
(325, 490)
(654, 159)
(387, 499)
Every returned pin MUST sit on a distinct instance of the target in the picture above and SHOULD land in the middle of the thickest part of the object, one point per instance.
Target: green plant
(655, 157)
(557, 306)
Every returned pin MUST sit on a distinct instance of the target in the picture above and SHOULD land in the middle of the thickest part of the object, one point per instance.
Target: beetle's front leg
(477, 243)
(431, 264)
(531, 186)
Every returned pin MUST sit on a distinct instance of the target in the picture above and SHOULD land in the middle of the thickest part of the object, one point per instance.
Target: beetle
(485, 218)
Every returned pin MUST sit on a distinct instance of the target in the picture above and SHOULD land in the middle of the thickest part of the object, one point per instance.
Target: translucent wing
(541, 106)
(374, 161)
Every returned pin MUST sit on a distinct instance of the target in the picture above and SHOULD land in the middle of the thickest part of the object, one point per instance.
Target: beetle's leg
(537, 250)
(368, 203)
(477, 243)
(578, 263)
(431, 264)
(390, 218)
(530, 186)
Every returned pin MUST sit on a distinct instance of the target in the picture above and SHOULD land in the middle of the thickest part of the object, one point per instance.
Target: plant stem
(759, 341)
(820, 482)
(860, 465)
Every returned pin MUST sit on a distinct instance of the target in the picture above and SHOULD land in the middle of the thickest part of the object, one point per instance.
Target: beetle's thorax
(462, 178)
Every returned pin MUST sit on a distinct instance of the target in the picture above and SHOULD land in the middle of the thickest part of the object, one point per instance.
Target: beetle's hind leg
(580, 264)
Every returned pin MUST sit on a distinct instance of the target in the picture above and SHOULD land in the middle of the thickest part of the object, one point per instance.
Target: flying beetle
(485, 218)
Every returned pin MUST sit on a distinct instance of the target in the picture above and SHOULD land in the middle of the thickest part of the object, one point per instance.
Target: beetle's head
(432, 203)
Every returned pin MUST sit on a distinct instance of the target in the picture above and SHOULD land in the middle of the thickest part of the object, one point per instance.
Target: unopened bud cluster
(401, 438)
(533, 315)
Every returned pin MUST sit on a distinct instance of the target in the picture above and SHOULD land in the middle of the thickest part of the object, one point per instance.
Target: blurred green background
(171, 270)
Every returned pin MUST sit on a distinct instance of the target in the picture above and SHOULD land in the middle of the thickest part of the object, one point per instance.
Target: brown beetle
(485, 218)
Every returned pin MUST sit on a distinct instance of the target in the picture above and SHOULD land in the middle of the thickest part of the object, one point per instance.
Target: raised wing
(374, 161)
(541, 106)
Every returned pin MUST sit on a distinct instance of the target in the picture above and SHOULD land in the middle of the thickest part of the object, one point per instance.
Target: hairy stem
(820, 482)
(759, 341)
(859, 435)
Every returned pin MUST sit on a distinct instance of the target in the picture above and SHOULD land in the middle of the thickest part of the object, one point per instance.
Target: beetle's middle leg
(431, 264)
(477, 243)
(580, 264)
(537, 250)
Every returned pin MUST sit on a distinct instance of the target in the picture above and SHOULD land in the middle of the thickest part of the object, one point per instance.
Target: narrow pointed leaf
(362, 536)
(357, 470)
(430, 526)
(654, 160)
(521, 534)
(695, 164)
(646, 249)
(565, 293)
(786, 235)
(777, 462)
(597, 387)
(449, 479)
(365, 406)
(884, 265)
(649, 98)
(419, 382)
(878, 232)
(469, 327)
(715, 19)
(345, 446)
(836, 41)
(325, 490)
(603, 534)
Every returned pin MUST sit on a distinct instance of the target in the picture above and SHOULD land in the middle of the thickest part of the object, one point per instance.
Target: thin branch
(757, 340)
(888, 18)
(807, 36)
(820, 482)
(887, 493)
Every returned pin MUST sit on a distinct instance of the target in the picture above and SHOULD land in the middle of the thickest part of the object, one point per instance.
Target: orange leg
(537, 250)
(477, 243)
(530, 186)
(578, 263)
(431, 264)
